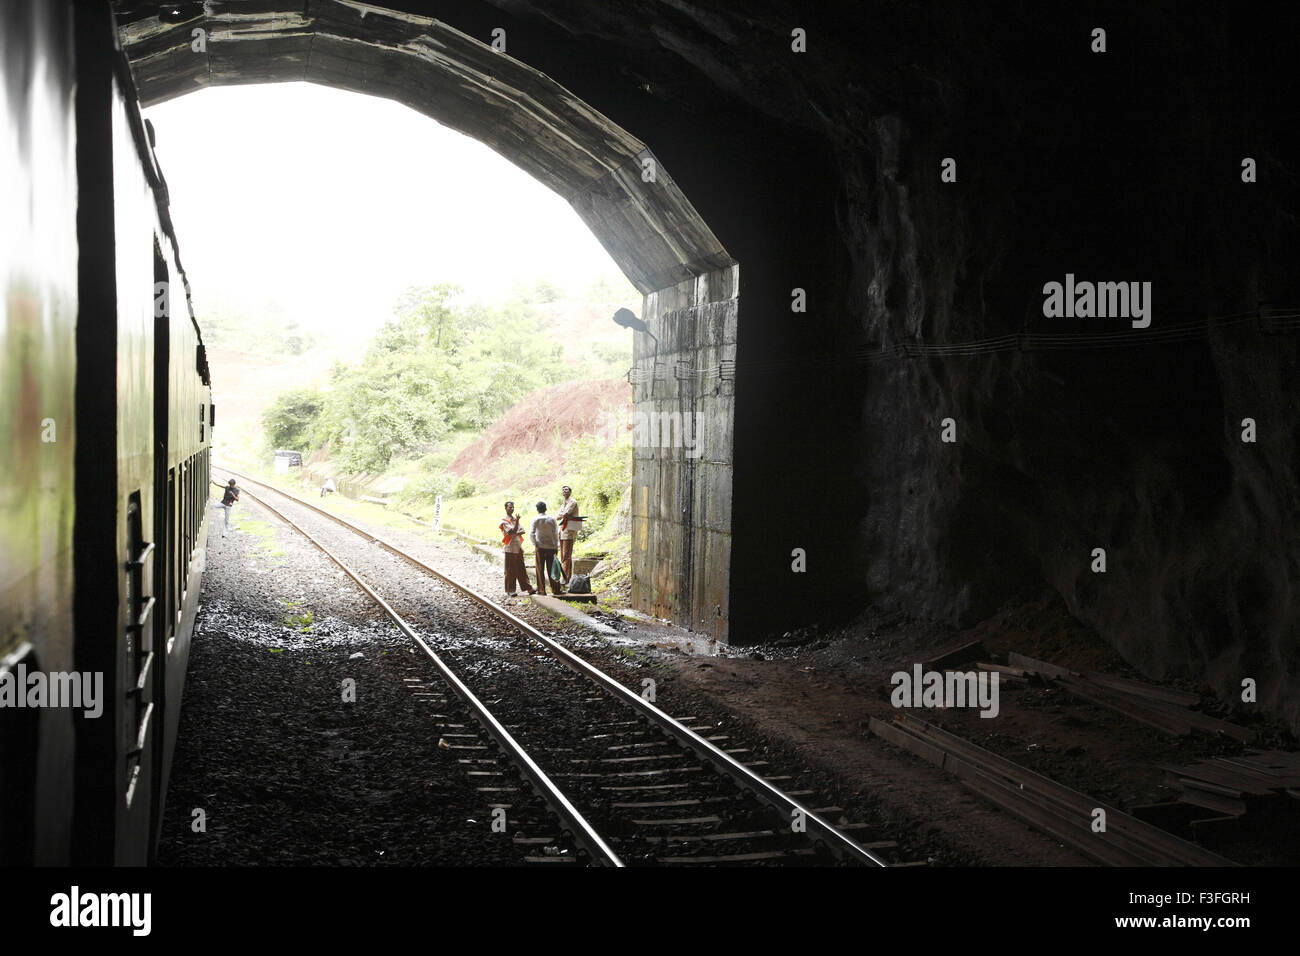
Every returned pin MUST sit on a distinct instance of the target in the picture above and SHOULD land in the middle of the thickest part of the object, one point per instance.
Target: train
(105, 447)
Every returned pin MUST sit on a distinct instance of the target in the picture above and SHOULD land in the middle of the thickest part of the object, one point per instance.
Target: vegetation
(434, 370)
(297, 621)
(265, 331)
(599, 475)
(431, 381)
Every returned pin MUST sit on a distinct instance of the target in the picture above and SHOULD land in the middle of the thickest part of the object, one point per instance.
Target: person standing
(512, 549)
(227, 502)
(545, 535)
(569, 525)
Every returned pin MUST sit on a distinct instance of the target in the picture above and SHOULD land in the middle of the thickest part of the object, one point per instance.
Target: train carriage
(104, 526)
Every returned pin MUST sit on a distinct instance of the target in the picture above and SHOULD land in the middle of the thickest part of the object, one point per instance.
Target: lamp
(628, 320)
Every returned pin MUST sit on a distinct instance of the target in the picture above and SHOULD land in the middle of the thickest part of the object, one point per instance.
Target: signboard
(437, 513)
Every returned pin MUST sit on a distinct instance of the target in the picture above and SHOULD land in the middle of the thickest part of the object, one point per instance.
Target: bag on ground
(580, 584)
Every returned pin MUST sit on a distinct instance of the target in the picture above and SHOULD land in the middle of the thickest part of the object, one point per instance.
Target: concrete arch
(684, 394)
(648, 227)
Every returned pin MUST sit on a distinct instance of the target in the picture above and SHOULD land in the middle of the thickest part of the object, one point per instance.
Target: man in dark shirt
(227, 500)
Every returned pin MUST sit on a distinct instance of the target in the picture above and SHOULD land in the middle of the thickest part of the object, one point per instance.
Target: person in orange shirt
(512, 548)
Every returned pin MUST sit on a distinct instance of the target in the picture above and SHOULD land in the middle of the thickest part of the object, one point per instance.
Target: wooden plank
(1202, 722)
(1193, 792)
(1179, 698)
(1037, 666)
(1163, 708)
(1055, 822)
(1276, 762)
(956, 654)
(1234, 783)
(577, 598)
(712, 837)
(737, 857)
(1165, 723)
(679, 821)
(900, 738)
(1078, 805)
(1000, 669)
(1275, 779)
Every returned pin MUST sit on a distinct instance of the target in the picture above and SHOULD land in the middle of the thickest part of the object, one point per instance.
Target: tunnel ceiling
(649, 228)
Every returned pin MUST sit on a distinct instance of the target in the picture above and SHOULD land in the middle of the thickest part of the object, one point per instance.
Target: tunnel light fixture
(628, 320)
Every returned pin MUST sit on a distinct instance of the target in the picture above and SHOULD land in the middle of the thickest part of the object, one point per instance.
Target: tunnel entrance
(684, 364)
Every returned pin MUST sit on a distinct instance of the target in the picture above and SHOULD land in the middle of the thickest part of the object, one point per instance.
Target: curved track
(668, 795)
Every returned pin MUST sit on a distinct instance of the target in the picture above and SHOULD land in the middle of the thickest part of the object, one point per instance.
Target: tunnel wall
(683, 413)
(821, 171)
(1122, 165)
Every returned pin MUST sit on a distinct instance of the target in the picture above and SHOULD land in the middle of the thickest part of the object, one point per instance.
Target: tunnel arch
(649, 228)
(684, 380)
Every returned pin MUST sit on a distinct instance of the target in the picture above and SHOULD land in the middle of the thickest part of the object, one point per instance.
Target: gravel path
(616, 773)
(282, 768)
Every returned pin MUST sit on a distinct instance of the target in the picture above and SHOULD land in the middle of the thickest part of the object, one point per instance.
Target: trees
(291, 420)
(431, 369)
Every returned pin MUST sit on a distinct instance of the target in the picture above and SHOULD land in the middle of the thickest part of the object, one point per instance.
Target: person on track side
(570, 525)
(545, 535)
(512, 549)
(227, 502)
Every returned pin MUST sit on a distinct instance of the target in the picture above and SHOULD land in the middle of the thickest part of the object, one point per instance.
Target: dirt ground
(820, 694)
(807, 700)
(543, 422)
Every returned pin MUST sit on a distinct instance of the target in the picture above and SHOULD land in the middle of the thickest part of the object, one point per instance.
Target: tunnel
(821, 481)
(618, 186)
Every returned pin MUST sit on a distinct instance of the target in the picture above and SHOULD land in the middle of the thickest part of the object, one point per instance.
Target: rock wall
(1115, 166)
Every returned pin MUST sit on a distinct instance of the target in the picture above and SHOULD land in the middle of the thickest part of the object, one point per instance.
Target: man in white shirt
(570, 523)
(545, 535)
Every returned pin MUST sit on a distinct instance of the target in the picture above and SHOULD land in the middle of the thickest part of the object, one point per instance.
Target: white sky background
(330, 203)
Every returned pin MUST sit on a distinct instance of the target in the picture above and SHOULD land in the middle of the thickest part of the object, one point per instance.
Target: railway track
(562, 744)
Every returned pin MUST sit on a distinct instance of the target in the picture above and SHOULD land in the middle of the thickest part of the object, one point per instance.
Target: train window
(185, 531)
(212, 415)
(134, 584)
(140, 627)
(202, 420)
(171, 551)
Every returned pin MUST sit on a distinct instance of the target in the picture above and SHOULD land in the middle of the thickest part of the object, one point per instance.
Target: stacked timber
(1163, 708)
(1265, 785)
(1103, 833)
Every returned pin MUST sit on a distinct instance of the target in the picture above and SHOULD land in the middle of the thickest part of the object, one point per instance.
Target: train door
(164, 519)
(138, 731)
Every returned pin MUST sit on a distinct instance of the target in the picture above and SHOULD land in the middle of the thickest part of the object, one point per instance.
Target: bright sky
(331, 203)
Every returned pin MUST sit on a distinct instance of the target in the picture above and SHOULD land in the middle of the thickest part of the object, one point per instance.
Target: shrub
(424, 488)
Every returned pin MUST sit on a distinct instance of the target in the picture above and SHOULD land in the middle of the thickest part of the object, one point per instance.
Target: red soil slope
(544, 422)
